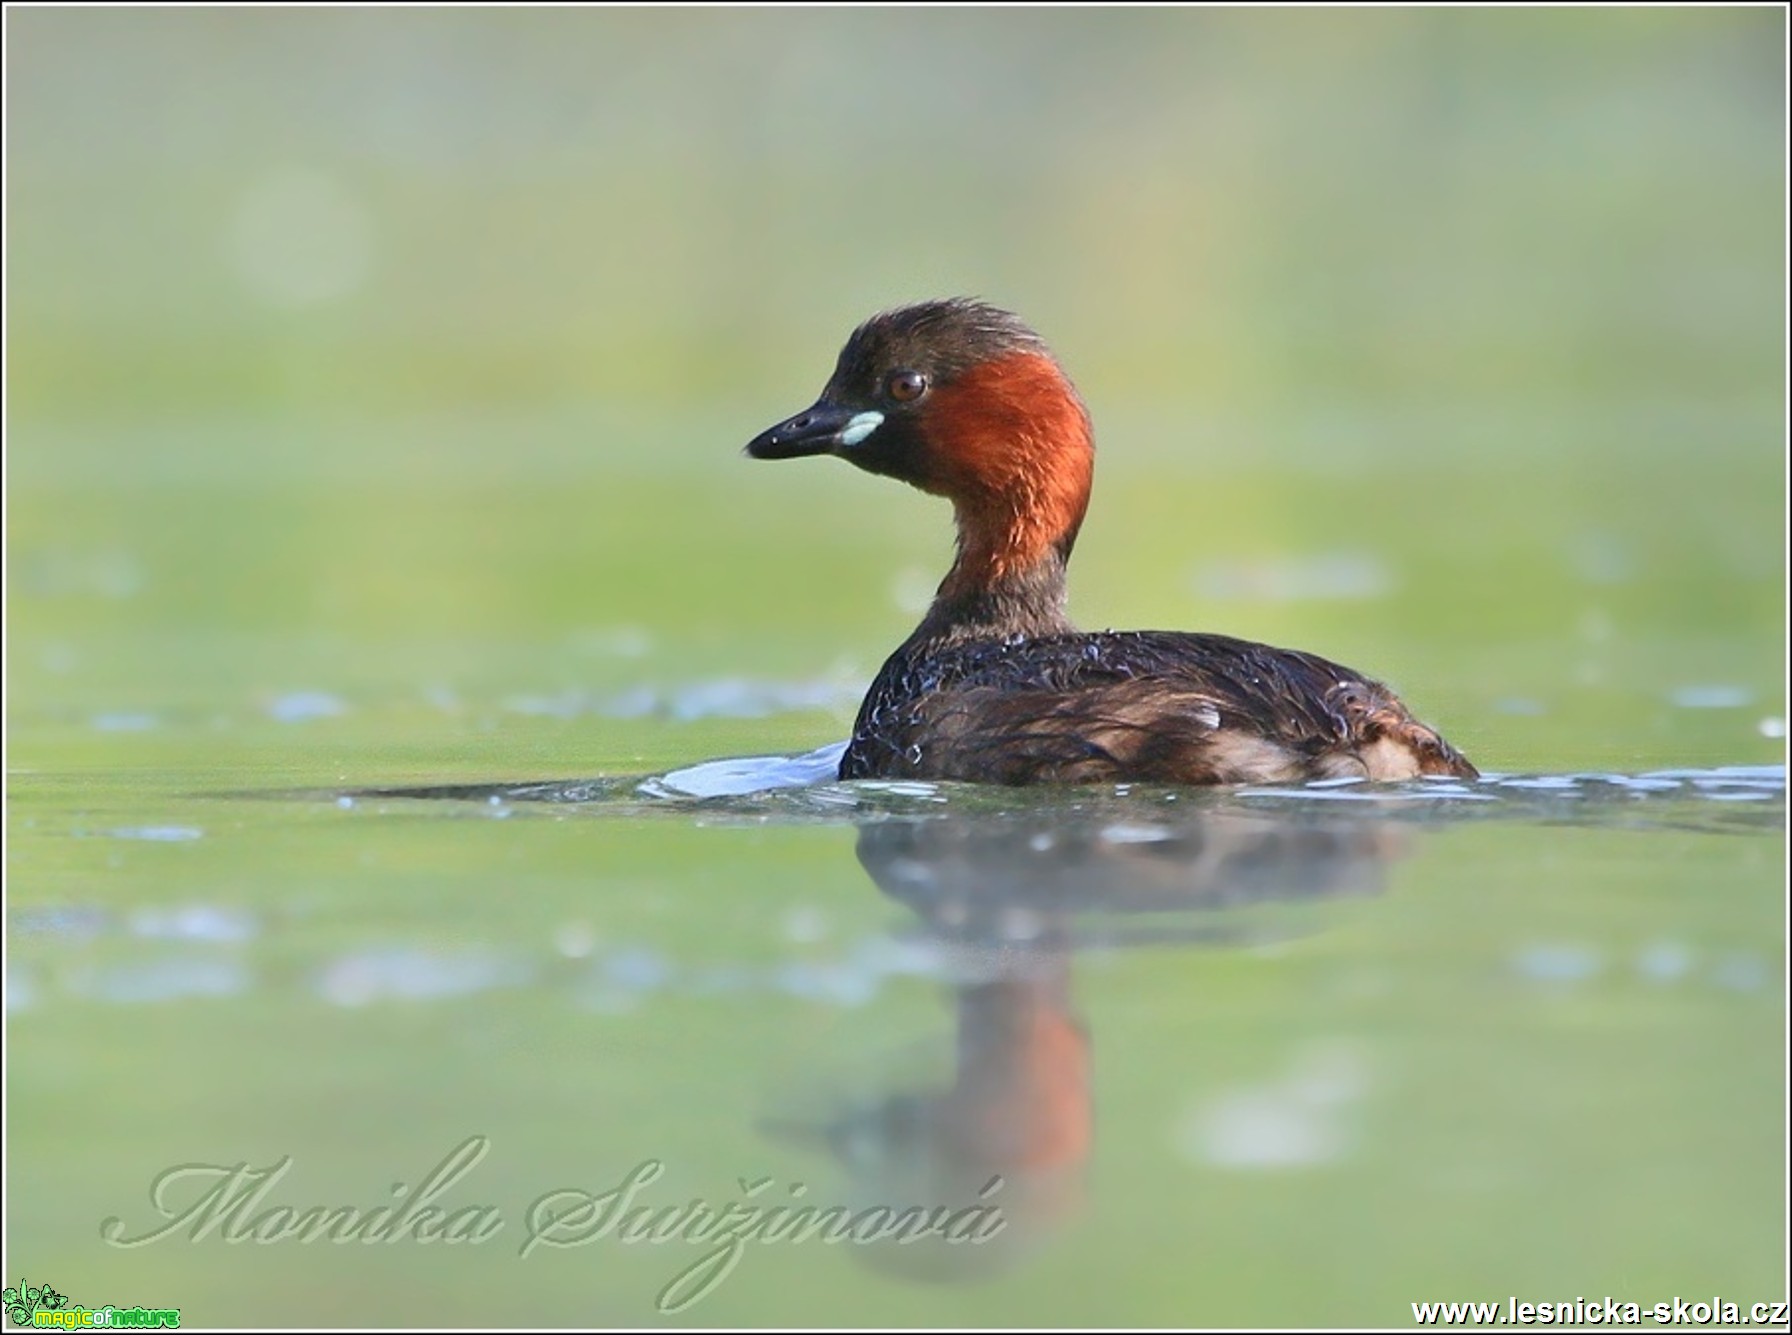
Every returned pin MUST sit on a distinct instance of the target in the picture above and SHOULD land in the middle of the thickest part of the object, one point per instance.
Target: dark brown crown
(940, 339)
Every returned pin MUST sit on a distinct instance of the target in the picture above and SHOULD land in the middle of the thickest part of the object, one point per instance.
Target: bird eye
(906, 386)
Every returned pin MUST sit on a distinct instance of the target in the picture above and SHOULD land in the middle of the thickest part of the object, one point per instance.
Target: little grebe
(995, 685)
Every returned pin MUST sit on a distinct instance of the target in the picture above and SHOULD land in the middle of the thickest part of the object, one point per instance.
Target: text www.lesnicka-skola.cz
(1602, 1312)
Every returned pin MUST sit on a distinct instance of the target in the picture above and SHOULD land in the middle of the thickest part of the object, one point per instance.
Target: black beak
(816, 430)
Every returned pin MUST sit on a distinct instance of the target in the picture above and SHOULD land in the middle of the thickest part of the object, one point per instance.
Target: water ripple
(801, 789)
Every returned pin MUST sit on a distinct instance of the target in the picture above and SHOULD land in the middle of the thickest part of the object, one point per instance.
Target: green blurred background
(360, 350)
(376, 386)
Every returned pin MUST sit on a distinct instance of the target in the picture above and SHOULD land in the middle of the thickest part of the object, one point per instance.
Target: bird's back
(1138, 706)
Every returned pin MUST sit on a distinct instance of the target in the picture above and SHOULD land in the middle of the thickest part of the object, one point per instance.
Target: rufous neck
(1017, 456)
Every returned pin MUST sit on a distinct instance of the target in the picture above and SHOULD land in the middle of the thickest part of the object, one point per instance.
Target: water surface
(1259, 1054)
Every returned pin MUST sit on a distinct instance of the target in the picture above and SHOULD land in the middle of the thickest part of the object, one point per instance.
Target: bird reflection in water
(1010, 901)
